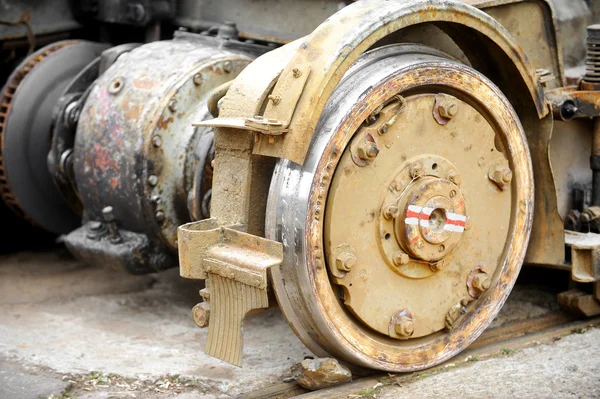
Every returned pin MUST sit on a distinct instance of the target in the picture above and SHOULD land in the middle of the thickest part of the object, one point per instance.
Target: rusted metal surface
(8, 93)
(336, 44)
(134, 148)
(300, 192)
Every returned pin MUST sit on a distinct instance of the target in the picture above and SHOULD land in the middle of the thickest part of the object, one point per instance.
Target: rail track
(494, 341)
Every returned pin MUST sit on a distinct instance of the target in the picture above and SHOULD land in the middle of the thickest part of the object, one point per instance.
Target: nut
(416, 169)
(296, 72)
(275, 98)
(500, 174)
(448, 109)
(345, 261)
(481, 282)
(367, 150)
(403, 323)
(201, 314)
(400, 258)
(391, 211)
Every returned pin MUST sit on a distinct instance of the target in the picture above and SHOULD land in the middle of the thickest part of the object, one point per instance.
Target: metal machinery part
(401, 269)
(27, 103)
(137, 160)
(401, 206)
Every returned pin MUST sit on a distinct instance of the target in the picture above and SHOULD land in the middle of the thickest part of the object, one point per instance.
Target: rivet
(160, 216)
(383, 129)
(173, 105)
(152, 180)
(452, 193)
(157, 141)
(441, 248)
(227, 66)
(296, 72)
(198, 79)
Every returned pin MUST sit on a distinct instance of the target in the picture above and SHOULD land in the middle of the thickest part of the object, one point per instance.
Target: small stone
(314, 374)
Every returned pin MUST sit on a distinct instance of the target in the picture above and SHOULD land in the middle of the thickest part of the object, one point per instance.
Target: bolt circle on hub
(439, 171)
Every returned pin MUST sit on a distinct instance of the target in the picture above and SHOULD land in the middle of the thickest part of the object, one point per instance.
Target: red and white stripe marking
(419, 215)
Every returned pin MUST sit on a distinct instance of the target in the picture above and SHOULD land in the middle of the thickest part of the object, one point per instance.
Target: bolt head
(95, 226)
(401, 258)
(160, 216)
(405, 327)
(391, 212)
(507, 175)
(345, 261)
(384, 128)
(367, 150)
(153, 180)
(227, 66)
(157, 141)
(481, 282)
(296, 72)
(198, 79)
(201, 314)
(173, 105)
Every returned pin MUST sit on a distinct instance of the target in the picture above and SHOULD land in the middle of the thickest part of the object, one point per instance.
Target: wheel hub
(406, 236)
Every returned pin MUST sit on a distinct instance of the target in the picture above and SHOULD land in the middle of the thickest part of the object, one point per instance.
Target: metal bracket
(585, 256)
(235, 264)
(570, 103)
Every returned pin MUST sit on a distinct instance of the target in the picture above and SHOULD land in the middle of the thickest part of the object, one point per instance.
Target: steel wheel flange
(405, 228)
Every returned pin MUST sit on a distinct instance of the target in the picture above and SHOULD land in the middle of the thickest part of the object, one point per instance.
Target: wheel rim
(310, 211)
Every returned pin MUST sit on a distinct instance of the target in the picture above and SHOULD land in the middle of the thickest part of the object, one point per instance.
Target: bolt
(420, 244)
(276, 99)
(160, 216)
(448, 109)
(416, 170)
(404, 325)
(345, 261)
(96, 226)
(455, 178)
(227, 66)
(198, 79)
(441, 248)
(367, 150)
(481, 282)
(173, 105)
(153, 180)
(201, 314)
(391, 212)
(296, 72)
(111, 221)
(400, 258)
(500, 174)
(383, 129)
(157, 141)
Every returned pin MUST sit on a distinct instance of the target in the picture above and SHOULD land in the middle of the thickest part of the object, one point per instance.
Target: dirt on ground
(68, 330)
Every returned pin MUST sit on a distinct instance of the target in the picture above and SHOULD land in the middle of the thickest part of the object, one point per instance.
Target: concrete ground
(68, 330)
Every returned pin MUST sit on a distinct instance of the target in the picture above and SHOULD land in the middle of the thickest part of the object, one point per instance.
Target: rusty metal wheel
(405, 228)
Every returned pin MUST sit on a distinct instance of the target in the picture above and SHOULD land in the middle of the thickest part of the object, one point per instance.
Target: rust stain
(163, 123)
